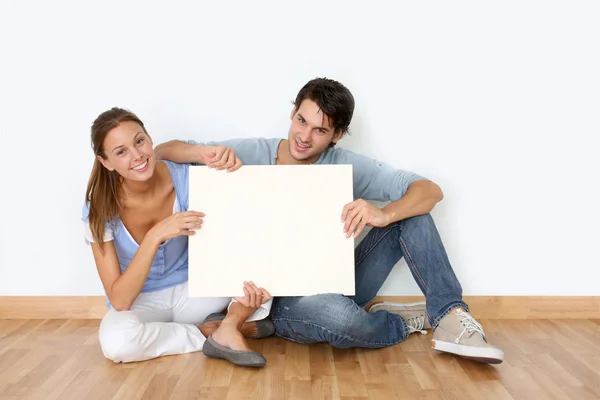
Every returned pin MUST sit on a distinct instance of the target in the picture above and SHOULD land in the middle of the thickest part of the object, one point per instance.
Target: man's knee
(328, 318)
(316, 308)
(420, 226)
(424, 221)
(116, 335)
(417, 225)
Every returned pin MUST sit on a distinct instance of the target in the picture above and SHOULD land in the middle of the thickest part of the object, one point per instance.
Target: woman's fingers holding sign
(180, 223)
(254, 296)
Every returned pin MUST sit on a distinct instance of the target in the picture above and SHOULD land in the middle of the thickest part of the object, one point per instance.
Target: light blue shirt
(170, 265)
(373, 180)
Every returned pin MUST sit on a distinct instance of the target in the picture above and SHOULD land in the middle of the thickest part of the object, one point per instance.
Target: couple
(136, 219)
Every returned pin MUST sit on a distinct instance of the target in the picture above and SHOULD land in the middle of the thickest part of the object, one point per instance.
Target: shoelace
(416, 325)
(469, 324)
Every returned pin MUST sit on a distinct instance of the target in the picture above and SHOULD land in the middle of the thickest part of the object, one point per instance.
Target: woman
(136, 221)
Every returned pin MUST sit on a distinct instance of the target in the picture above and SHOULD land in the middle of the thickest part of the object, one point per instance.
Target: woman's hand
(180, 223)
(254, 297)
(220, 157)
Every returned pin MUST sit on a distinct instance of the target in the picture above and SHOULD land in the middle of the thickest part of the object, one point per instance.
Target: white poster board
(278, 226)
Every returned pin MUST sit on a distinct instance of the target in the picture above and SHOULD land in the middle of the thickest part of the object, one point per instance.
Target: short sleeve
(375, 180)
(89, 238)
(87, 231)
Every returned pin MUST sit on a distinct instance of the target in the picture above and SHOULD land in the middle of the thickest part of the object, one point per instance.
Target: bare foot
(227, 335)
(208, 328)
(249, 329)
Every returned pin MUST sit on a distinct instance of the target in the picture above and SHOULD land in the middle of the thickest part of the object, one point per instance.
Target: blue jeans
(342, 320)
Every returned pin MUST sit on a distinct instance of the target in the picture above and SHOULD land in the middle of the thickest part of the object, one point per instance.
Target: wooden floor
(545, 359)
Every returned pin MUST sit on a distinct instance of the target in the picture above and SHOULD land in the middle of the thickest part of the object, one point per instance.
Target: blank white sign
(278, 226)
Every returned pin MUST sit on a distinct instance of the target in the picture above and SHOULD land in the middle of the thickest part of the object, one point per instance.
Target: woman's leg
(249, 329)
(194, 310)
(148, 330)
(231, 331)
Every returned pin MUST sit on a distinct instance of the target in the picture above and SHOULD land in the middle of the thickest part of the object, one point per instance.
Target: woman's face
(129, 151)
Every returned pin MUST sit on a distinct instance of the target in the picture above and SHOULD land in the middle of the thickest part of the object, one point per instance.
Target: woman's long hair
(103, 188)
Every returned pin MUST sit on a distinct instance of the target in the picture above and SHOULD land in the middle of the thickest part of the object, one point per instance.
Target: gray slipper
(213, 349)
(265, 327)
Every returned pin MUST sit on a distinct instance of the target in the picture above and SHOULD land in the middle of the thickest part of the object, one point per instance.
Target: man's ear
(105, 163)
(337, 136)
(294, 110)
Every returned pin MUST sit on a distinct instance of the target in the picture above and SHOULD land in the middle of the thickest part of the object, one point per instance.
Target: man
(320, 117)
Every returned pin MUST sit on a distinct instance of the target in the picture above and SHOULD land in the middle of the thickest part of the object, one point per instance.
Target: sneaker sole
(485, 355)
(388, 303)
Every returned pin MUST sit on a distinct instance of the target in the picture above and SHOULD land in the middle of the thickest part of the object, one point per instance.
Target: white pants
(161, 323)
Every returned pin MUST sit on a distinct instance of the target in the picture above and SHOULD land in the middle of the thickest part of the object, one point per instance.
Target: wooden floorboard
(545, 359)
(482, 307)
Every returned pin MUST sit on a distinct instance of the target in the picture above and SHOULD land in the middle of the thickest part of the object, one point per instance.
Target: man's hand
(361, 213)
(219, 157)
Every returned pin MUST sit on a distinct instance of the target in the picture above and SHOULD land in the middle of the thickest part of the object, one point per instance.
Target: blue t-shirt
(373, 180)
(170, 264)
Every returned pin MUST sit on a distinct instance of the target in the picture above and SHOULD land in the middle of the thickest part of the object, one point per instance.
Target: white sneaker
(462, 335)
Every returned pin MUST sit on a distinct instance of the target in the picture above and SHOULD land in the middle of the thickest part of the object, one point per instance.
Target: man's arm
(410, 194)
(219, 155)
(180, 152)
(420, 198)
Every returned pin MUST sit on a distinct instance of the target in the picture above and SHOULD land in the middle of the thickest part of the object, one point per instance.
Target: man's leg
(418, 240)
(342, 321)
(337, 320)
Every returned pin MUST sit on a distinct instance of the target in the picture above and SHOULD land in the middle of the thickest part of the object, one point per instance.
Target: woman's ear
(105, 163)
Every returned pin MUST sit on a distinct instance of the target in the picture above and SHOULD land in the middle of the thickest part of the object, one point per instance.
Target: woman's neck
(137, 189)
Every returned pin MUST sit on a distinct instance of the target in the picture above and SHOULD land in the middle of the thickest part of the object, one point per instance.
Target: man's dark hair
(333, 98)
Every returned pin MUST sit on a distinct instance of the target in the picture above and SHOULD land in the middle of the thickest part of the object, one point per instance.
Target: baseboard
(523, 307)
(488, 307)
(52, 307)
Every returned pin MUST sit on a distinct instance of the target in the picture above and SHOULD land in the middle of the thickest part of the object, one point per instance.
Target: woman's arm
(123, 288)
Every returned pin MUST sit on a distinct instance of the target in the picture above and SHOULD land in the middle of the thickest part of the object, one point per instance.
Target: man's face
(310, 133)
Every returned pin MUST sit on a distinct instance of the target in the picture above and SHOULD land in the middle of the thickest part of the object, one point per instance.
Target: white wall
(498, 103)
